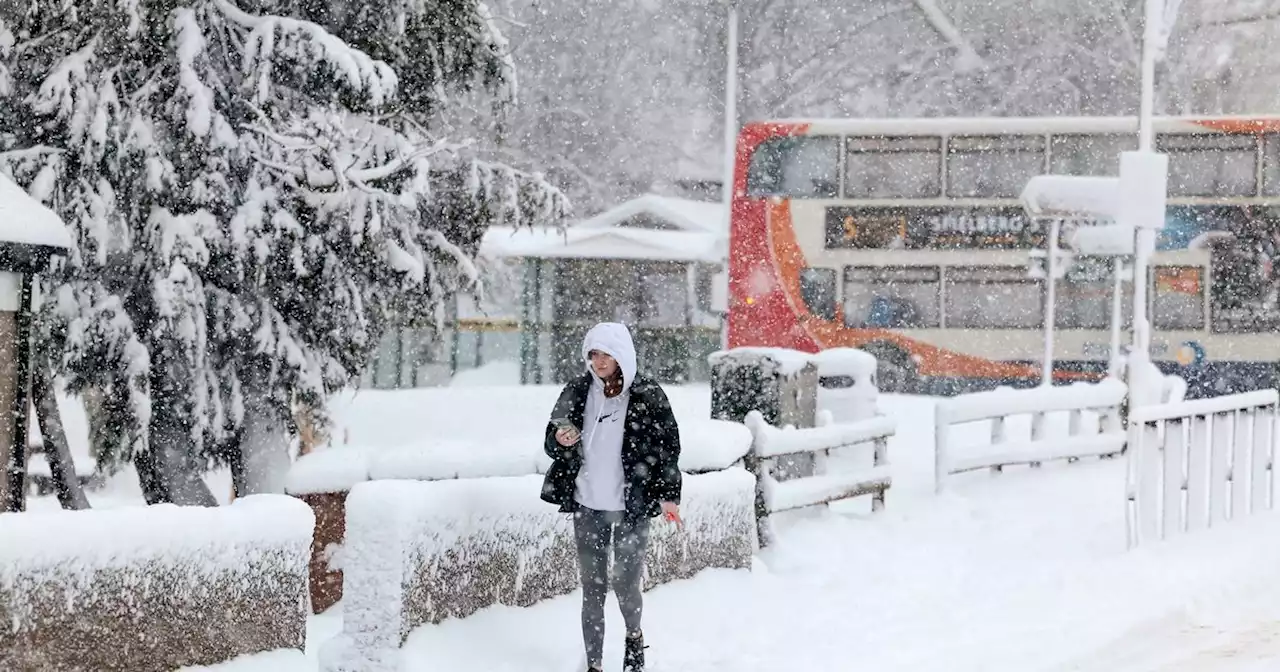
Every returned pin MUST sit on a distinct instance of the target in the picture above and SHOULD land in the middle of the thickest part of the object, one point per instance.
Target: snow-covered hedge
(152, 588)
(420, 552)
(706, 445)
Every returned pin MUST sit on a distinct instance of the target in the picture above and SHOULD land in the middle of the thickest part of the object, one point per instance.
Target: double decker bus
(905, 237)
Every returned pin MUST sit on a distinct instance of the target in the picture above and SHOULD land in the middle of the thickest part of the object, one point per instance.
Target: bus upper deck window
(818, 291)
(801, 167)
(901, 167)
(1212, 164)
(993, 166)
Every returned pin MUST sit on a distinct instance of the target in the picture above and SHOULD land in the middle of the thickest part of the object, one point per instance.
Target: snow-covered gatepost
(781, 384)
(30, 236)
(774, 392)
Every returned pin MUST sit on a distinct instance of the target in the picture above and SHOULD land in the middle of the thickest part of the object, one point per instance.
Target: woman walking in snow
(614, 474)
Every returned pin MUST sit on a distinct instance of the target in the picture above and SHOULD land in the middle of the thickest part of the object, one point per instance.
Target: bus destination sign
(931, 228)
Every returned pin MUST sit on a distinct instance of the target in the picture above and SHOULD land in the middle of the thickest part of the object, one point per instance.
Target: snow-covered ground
(1022, 571)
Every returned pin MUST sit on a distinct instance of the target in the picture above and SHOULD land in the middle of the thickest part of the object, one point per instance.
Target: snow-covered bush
(152, 588)
(420, 552)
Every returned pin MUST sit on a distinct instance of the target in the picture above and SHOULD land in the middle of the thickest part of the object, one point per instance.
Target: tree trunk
(56, 449)
(263, 455)
(167, 471)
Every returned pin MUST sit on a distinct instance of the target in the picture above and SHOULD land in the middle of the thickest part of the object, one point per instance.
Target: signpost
(1092, 203)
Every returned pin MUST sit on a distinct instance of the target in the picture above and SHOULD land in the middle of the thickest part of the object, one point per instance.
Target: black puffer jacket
(650, 449)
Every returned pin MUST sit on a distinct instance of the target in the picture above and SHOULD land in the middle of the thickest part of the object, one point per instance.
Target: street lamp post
(30, 236)
(730, 107)
(1146, 172)
(730, 128)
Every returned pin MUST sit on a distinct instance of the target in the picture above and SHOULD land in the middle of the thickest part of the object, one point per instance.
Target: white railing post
(997, 438)
(1200, 452)
(941, 437)
(1038, 431)
(1172, 478)
(1261, 442)
(1240, 463)
(1220, 468)
(879, 458)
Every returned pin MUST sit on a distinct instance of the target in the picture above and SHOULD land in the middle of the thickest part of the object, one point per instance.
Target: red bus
(905, 237)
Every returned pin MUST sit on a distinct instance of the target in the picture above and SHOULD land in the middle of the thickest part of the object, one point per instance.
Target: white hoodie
(600, 483)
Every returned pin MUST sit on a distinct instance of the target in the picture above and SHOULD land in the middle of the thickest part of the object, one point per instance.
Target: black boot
(633, 656)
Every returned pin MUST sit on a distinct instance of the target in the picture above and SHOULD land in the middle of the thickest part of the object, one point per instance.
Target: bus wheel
(895, 372)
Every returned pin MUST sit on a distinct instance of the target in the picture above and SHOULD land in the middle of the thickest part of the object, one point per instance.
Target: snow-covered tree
(247, 212)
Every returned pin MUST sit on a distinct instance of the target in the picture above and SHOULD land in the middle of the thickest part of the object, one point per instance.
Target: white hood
(613, 339)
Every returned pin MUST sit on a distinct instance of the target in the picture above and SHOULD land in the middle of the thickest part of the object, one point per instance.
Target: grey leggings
(595, 531)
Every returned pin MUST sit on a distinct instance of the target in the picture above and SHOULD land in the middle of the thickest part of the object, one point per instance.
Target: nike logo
(606, 416)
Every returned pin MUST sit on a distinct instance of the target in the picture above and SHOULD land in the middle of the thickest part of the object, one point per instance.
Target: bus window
(1271, 165)
(818, 291)
(803, 167)
(1211, 165)
(1179, 298)
(1088, 154)
(1084, 297)
(891, 298)
(993, 298)
(908, 167)
(993, 166)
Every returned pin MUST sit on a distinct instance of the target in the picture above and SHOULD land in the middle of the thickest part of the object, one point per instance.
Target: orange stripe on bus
(1242, 126)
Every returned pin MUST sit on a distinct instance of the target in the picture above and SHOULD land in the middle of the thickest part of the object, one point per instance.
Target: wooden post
(754, 464)
(1037, 431)
(879, 454)
(16, 378)
(997, 438)
(8, 388)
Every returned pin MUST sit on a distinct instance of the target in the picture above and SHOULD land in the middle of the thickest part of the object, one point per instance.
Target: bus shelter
(654, 263)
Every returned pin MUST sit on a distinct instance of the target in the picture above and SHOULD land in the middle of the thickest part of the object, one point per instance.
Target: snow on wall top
(127, 535)
(845, 362)
(25, 220)
(788, 362)
(707, 445)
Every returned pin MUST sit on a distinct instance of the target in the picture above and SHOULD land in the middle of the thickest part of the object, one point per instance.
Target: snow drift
(155, 587)
(421, 552)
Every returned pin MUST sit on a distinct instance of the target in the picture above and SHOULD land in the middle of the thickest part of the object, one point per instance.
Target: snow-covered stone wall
(153, 588)
(420, 552)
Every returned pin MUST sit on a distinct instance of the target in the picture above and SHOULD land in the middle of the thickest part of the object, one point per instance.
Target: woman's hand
(671, 511)
(566, 437)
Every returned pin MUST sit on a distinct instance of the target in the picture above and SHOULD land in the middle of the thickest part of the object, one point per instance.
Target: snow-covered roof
(603, 243)
(681, 213)
(26, 221)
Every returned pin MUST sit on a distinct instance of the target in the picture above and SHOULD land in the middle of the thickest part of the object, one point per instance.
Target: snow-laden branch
(969, 58)
(360, 71)
(58, 90)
